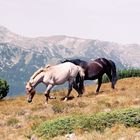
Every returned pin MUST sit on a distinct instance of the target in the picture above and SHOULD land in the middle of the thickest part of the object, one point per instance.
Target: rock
(34, 137)
(70, 136)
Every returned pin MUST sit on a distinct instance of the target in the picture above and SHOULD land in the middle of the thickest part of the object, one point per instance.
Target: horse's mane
(47, 66)
(39, 71)
(75, 61)
(79, 62)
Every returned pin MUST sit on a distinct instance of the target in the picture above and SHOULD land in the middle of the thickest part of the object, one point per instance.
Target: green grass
(12, 121)
(98, 122)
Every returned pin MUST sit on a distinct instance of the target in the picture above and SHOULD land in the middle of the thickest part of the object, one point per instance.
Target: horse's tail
(81, 72)
(113, 73)
(81, 79)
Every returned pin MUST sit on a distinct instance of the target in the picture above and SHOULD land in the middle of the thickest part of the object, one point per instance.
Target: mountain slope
(19, 119)
(21, 56)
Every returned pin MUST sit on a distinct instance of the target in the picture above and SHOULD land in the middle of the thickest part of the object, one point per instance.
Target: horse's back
(70, 68)
(96, 68)
(67, 66)
(62, 72)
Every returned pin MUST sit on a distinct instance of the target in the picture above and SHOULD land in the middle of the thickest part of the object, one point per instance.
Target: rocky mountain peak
(22, 55)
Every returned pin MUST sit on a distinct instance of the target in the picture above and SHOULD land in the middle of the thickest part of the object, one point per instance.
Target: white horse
(54, 75)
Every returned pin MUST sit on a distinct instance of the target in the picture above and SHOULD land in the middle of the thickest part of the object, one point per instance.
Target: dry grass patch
(98, 122)
(126, 95)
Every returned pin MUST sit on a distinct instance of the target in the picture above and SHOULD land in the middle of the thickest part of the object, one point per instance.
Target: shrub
(12, 121)
(4, 88)
(58, 107)
(61, 126)
(124, 74)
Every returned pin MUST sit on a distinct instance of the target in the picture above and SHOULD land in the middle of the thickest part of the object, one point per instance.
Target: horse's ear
(47, 66)
(66, 60)
(63, 61)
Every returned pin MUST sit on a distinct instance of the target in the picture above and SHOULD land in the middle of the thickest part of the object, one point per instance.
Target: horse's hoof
(65, 99)
(96, 93)
(52, 97)
(80, 95)
(46, 103)
(29, 101)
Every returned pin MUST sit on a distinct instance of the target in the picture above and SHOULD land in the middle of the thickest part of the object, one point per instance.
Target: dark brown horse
(95, 69)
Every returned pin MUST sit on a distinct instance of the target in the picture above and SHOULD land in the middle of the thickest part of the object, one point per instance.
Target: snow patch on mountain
(21, 56)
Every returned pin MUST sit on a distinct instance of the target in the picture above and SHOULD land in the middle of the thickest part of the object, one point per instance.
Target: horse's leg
(112, 82)
(76, 87)
(47, 92)
(111, 79)
(69, 91)
(99, 84)
(81, 87)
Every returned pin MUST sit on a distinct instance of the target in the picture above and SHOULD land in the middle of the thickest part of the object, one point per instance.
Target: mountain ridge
(22, 55)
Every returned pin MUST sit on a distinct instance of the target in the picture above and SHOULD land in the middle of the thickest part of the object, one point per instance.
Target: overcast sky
(110, 20)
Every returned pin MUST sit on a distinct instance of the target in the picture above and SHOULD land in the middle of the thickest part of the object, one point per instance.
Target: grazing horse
(54, 75)
(95, 69)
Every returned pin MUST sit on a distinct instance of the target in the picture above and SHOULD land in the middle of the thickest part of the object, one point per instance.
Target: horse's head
(30, 92)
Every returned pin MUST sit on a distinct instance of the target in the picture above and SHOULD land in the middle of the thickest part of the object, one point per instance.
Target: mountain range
(21, 56)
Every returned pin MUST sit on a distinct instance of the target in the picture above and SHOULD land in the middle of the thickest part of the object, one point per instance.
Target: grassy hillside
(20, 120)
